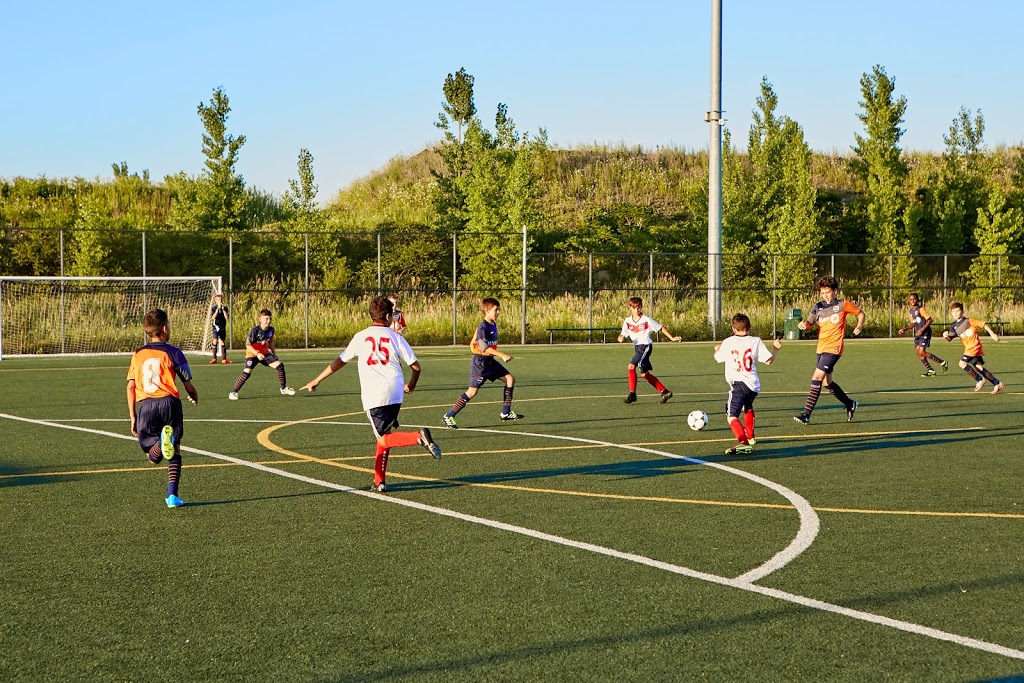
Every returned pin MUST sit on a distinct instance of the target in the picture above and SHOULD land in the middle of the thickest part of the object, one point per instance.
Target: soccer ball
(697, 420)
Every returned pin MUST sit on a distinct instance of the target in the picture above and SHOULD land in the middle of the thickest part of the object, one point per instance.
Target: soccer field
(590, 541)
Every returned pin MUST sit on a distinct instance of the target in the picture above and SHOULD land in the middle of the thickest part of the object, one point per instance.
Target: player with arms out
(380, 350)
(484, 367)
(157, 420)
(829, 315)
(639, 329)
(921, 323)
(973, 360)
(741, 353)
(219, 325)
(397, 318)
(259, 349)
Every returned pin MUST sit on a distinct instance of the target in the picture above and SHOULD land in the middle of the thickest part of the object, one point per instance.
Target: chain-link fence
(318, 284)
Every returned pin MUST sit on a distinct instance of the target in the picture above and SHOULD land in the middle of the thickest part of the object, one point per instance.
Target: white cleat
(287, 391)
(233, 395)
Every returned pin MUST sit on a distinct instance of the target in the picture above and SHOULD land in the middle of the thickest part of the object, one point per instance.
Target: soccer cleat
(665, 396)
(930, 373)
(751, 440)
(945, 366)
(998, 388)
(213, 361)
(803, 418)
(174, 502)
(979, 384)
(226, 361)
(427, 442)
(233, 395)
(850, 411)
(379, 488)
(630, 398)
(739, 449)
(167, 442)
(449, 421)
(510, 415)
(287, 391)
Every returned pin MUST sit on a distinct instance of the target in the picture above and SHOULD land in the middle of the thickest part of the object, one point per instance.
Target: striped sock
(989, 376)
(926, 364)
(812, 396)
(748, 418)
(632, 381)
(155, 454)
(654, 382)
(242, 378)
(460, 403)
(935, 358)
(173, 475)
(280, 375)
(838, 392)
(506, 403)
(969, 369)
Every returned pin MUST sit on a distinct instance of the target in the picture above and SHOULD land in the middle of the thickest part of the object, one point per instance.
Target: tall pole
(714, 119)
(306, 241)
(523, 334)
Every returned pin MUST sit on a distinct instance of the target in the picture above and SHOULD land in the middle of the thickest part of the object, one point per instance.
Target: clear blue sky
(357, 83)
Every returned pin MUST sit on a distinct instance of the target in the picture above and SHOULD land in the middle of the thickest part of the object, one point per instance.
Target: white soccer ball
(697, 420)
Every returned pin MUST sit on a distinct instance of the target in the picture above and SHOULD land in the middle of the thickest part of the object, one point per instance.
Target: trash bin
(789, 325)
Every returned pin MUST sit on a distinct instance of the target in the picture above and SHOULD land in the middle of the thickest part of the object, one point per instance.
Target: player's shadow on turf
(202, 503)
(16, 478)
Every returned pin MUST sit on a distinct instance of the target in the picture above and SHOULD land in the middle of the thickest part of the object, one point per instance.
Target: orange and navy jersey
(831, 321)
(154, 368)
(486, 337)
(919, 317)
(967, 329)
(258, 341)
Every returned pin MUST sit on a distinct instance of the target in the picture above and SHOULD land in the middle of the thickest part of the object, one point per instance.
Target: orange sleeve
(924, 313)
(850, 307)
(976, 324)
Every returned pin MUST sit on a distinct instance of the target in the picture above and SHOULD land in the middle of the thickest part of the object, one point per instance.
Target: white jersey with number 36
(741, 355)
(379, 351)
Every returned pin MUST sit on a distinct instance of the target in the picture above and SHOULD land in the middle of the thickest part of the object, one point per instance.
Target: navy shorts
(219, 333)
(741, 398)
(973, 360)
(923, 341)
(384, 418)
(153, 415)
(827, 361)
(642, 357)
(251, 361)
(488, 370)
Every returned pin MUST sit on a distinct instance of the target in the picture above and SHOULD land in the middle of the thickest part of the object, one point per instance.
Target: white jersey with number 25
(741, 355)
(379, 351)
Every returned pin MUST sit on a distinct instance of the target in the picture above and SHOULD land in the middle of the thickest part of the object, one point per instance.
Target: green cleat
(167, 442)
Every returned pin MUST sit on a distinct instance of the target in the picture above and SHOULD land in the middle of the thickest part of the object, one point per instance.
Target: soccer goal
(100, 315)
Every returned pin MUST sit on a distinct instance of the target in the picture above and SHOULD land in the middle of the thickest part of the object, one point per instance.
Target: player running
(921, 323)
(973, 360)
(741, 353)
(639, 329)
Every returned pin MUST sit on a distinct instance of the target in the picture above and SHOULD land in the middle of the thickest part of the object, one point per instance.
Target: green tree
(449, 198)
(961, 187)
(998, 231)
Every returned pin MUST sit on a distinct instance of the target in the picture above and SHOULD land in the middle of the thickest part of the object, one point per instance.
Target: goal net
(97, 315)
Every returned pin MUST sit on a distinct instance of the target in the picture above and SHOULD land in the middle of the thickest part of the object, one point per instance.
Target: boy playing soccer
(484, 367)
(973, 360)
(741, 353)
(639, 328)
(921, 323)
(219, 323)
(158, 423)
(830, 316)
(379, 351)
(397, 318)
(259, 348)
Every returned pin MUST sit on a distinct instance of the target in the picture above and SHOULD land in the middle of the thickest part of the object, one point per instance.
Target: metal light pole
(714, 119)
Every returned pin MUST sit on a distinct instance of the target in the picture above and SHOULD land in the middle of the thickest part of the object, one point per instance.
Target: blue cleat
(174, 502)
(167, 442)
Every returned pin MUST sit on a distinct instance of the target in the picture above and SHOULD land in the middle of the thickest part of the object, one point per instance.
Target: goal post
(100, 315)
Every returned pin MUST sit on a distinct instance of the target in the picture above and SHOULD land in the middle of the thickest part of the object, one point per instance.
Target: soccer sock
(224, 350)
(380, 464)
(240, 381)
(737, 429)
(399, 440)
(155, 454)
(969, 369)
(632, 381)
(460, 403)
(987, 374)
(506, 404)
(654, 382)
(173, 475)
(812, 396)
(935, 358)
(280, 375)
(748, 418)
(924, 362)
(838, 392)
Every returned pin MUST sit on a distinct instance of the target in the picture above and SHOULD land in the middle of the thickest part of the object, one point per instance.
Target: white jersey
(379, 351)
(741, 355)
(639, 331)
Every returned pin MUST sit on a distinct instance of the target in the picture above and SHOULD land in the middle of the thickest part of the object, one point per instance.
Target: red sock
(748, 417)
(399, 439)
(654, 382)
(380, 465)
(632, 381)
(737, 429)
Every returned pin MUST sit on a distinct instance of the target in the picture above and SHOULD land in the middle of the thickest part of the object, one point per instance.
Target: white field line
(739, 583)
